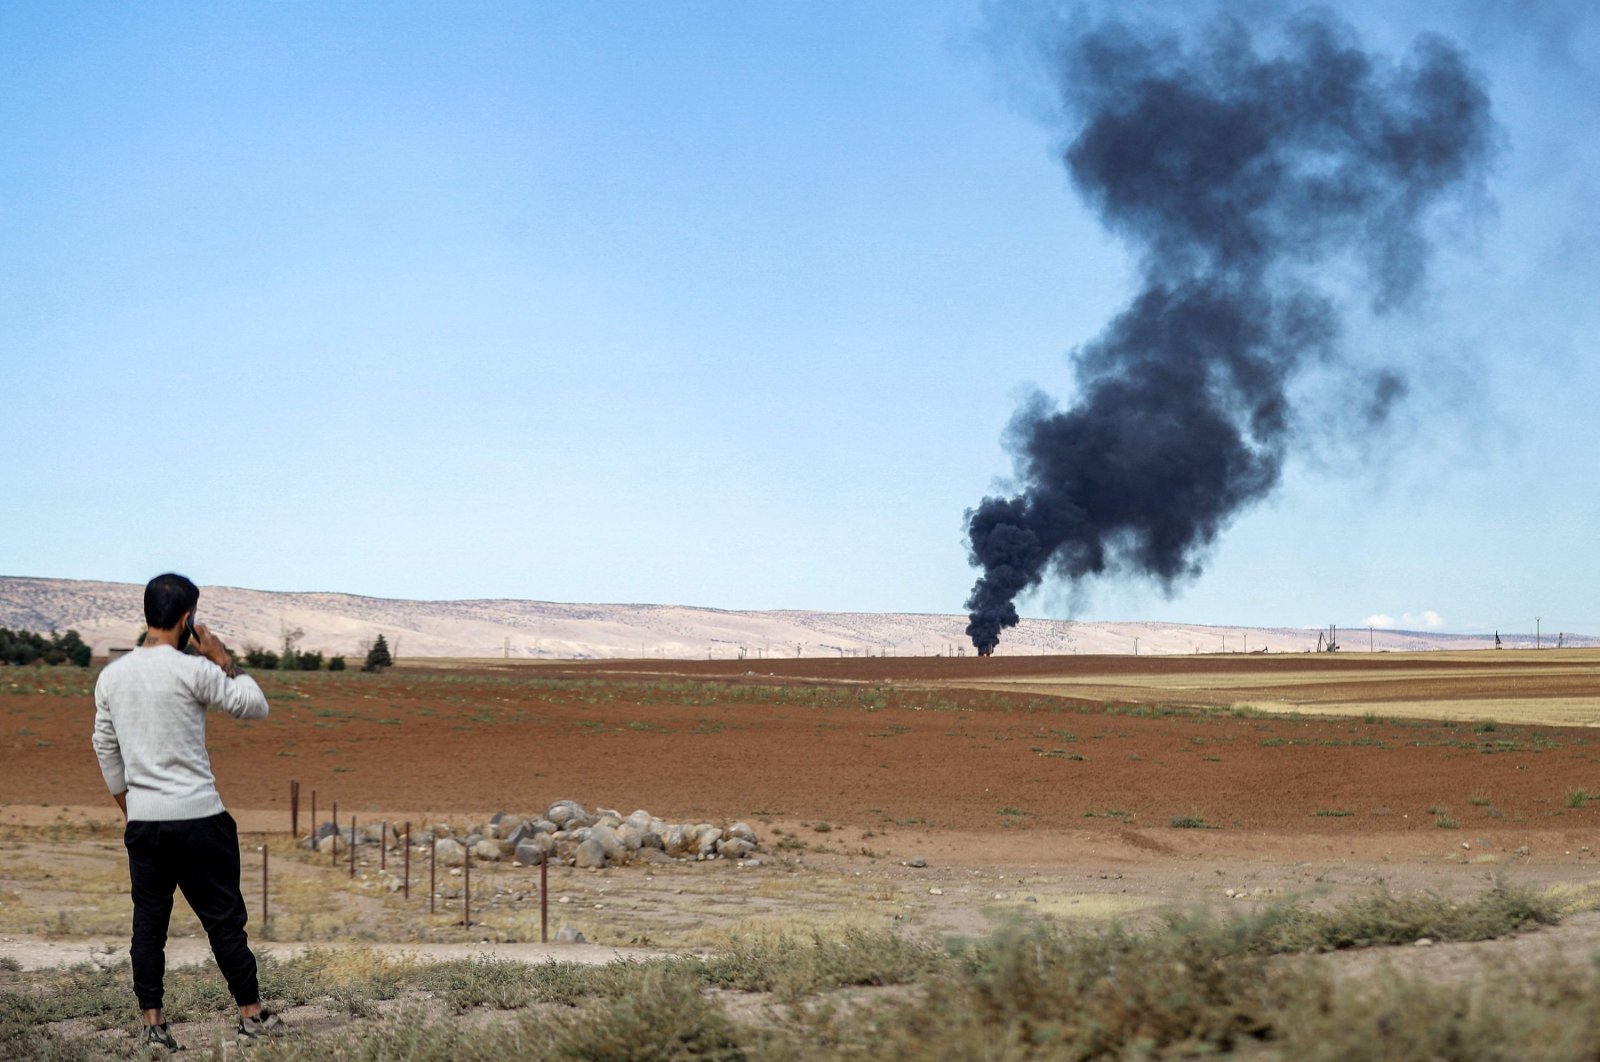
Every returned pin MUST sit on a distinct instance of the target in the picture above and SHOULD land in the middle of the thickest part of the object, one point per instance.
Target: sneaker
(158, 1036)
(263, 1026)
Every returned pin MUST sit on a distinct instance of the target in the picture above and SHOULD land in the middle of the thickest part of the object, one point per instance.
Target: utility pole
(1370, 643)
(1135, 646)
(1536, 621)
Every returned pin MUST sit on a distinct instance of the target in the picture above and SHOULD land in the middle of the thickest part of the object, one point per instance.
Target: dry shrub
(792, 967)
(1386, 919)
(663, 1016)
(1552, 1014)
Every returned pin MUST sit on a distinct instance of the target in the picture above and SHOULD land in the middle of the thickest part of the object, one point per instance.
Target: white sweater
(150, 729)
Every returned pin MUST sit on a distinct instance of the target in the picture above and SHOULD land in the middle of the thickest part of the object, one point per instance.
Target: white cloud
(1426, 620)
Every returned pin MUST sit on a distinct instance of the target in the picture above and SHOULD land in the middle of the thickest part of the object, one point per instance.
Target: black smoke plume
(1250, 181)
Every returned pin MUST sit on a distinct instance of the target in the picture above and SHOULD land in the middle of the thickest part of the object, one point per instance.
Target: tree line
(21, 647)
(291, 658)
(28, 647)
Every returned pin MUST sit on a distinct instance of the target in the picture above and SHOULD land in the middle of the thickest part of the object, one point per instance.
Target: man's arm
(109, 751)
(225, 688)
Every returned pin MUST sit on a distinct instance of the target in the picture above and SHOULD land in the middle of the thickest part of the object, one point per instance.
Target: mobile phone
(188, 633)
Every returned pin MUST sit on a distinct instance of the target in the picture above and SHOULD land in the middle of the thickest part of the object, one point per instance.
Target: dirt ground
(886, 742)
(1073, 786)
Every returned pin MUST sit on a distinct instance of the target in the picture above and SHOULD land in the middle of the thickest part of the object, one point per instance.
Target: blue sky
(723, 305)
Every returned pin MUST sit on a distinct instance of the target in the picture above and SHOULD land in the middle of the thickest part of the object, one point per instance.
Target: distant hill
(110, 614)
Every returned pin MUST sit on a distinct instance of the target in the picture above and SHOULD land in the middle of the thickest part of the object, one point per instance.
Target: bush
(260, 659)
(664, 1017)
(310, 661)
(335, 663)
(791, 968)
(1386, 919)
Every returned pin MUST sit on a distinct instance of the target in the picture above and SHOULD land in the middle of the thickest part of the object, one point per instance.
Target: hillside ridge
(108, 614)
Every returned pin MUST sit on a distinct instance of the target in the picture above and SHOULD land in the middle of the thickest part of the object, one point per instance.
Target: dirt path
(35, 953)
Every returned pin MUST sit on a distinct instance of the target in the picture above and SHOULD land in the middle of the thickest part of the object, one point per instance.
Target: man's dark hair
(166, 598)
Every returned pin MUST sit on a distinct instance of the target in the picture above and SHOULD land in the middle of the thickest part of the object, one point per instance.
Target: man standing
(150, 736)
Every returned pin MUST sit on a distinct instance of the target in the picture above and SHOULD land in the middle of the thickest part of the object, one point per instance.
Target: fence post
(405, 883)
(352, 846)
(334, 860)
(433, 867)
(383, 844)
(294, 809)
(544, 898)
(265, 911)
(466, 890)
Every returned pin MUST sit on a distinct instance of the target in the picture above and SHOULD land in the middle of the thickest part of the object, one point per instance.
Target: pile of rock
(567, 834)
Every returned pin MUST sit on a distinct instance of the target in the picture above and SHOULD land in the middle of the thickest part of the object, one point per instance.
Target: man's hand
(212, 649)
(122, 802)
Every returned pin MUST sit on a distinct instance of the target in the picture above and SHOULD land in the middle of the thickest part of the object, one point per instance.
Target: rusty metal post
(313, 815)
(352, 846)
(466, 890)
(433, 868)
(405, 883)
(294, 809)
(544, 898)
(383, 844)
(264, 910)
(335, 858)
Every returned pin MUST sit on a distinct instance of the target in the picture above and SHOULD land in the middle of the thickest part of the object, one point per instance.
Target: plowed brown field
(1019, 743)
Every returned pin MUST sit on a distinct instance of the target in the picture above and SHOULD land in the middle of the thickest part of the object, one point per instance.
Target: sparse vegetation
(1194, 985)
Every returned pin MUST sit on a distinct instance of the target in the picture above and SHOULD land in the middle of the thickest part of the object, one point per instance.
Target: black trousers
(201, 857)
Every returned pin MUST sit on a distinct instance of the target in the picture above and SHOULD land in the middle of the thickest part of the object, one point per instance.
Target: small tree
(289, 659)
(378, 656)
(311, 661)
(335, 663)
